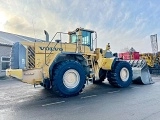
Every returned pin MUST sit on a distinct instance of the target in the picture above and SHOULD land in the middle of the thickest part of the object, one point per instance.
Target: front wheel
(121, 76)
(68, 78)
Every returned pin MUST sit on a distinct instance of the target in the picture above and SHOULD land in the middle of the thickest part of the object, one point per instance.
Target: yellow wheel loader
(64, 67)
(153, 62)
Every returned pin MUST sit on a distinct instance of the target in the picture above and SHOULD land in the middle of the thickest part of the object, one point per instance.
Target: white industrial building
(6, 42)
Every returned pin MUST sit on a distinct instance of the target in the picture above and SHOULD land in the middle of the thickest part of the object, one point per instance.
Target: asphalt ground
(21, 101)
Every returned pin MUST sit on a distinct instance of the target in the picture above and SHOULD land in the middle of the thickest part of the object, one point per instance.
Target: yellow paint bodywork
(43, 60)
(67, 47)
(17, 73)
(151, 59)
(41, 69)
(34, 76)
(107, 63)
(50, 56)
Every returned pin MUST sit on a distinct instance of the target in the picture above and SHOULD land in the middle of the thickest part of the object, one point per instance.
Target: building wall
(4, 51)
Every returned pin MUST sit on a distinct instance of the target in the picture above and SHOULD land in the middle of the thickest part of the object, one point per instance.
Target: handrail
(55, 45)
(95, 39)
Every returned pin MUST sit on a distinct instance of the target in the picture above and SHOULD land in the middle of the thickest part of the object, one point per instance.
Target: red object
(135, 56)
(129, 55)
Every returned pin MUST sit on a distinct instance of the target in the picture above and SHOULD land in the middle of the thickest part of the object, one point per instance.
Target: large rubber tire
(116, 78)
(68, 78)
(46, 84)
(102, 76)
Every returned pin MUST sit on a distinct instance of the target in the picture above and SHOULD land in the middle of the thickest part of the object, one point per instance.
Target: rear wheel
(68, 78)
(121, 76)
(46, 84)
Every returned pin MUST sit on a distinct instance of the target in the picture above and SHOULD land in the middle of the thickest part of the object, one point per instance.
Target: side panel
(22, 57)
(18, 56)
(107, 63)
(34, 76)
(53, 47)
(15, 56)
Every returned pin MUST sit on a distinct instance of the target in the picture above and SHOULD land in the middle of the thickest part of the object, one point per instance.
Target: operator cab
(83, 36)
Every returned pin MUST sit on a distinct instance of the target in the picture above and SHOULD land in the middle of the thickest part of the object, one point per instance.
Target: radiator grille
(31, 57)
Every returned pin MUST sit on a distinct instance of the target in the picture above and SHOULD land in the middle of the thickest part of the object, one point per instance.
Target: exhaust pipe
(47, 35)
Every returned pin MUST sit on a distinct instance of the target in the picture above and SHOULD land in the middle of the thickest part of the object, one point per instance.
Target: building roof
(10, 39)
(4, 44)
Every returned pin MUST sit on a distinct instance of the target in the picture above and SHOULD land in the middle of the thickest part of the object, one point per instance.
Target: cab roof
(82, 29)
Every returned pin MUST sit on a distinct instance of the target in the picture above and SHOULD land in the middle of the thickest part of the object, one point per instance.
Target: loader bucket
(141, 74)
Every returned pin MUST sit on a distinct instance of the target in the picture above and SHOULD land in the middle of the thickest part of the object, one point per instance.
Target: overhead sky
(122, 23)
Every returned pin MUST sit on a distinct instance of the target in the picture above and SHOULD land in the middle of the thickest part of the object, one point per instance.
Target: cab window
(73, 38)
(86, 39)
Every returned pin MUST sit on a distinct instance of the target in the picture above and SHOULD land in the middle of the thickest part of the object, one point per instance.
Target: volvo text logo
(51, 48)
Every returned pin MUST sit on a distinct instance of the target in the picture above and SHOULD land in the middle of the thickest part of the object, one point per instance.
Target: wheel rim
(124, 74)
(71, 78)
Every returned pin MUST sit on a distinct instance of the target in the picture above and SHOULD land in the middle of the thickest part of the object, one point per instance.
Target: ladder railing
(60, 36)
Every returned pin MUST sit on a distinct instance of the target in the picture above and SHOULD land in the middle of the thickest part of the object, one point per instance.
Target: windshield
(86, 38)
